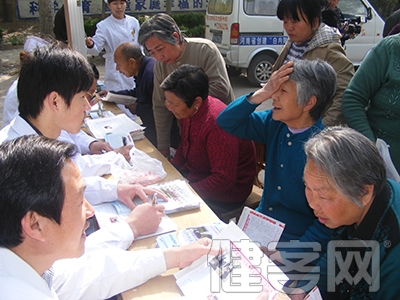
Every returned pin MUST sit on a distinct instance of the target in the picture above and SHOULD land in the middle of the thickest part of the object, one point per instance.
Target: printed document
(259, 227)
(240, 271)
(119, 124)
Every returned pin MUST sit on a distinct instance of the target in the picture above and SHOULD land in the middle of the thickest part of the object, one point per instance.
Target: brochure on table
(109, 213)
(119, 99)
(242, 271)
(190, 235)
(119, 124)
(179, 194)
(257, 226)
(117, 140)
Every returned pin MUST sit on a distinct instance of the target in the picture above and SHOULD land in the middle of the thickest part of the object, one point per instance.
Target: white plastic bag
(143, 169)
(391, 171)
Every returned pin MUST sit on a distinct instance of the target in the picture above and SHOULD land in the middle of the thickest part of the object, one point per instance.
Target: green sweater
(371, 102)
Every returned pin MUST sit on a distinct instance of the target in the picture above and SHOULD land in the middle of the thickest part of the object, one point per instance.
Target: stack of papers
(119, 99)
(120, 124)
(180, 196)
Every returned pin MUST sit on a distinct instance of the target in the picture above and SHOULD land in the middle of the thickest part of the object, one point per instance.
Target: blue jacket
(144, 94)
(284, 191)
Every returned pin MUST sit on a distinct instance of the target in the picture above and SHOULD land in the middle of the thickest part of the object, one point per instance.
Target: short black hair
(30, 180)
(51, 68)
(309, 10)
(187, 82)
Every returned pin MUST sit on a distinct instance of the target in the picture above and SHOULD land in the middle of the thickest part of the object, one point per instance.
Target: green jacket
(371, 103)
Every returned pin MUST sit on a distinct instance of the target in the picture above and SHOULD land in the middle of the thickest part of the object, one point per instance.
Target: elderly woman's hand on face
(275, 81)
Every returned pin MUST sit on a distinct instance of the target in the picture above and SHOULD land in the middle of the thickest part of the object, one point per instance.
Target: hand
(184, 256)
(94, 99)
(145, 218)
(125, 152)
(99, 147)
(132, 108)
(89, 42)
(103, 93)
(126, 192)
(274, 83)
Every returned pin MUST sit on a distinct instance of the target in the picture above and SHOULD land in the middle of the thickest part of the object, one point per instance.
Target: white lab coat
(111, 33)
(10, 111)
(98, 189)
(10, 105)
(103, 271)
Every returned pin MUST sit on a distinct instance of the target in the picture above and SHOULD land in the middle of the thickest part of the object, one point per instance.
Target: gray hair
(162, 26)
(348, 159)
(314, 78)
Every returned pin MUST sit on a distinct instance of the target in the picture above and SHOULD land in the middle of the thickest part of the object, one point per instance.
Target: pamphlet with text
(240, 271)
(259, 227)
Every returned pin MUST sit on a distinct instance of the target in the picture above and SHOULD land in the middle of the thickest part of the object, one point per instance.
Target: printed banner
(28, 9)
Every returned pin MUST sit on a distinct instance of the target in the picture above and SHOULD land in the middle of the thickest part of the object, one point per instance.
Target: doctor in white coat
(110, 33)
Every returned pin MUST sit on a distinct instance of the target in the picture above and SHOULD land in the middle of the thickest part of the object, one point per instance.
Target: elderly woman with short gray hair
(347, 189)
(299, 92)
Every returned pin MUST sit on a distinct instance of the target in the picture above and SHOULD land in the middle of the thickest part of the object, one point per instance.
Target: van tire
(260, 69)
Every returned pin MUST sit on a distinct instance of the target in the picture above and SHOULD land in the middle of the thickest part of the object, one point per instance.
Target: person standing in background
(371, 100)
(110, 33)
(311, 39)
(162, 38)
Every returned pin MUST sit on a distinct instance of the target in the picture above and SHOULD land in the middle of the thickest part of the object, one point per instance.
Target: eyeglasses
(91, 96)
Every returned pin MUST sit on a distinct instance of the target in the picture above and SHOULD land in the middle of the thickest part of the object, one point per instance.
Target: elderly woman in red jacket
(219, 166)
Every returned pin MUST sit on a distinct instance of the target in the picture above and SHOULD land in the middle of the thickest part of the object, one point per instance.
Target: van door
(248, 35)
(261, 39)
(221, 15)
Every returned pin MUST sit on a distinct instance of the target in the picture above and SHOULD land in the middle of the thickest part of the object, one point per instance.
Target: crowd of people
(324, 176)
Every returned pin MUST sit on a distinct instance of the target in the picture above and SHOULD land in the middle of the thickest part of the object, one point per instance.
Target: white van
(250, 36)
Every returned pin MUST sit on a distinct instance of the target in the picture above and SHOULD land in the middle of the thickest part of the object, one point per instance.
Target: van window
(220, 7)
(352, 7)
(260, 7)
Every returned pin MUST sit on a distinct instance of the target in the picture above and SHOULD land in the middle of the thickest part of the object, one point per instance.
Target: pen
(154, 198)
(124, 142)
